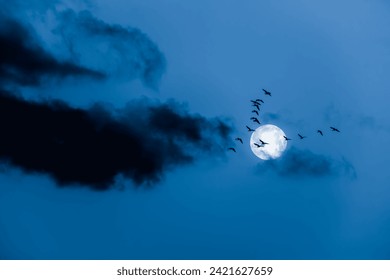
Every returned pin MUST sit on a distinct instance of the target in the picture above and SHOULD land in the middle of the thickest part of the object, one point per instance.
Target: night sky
(116, 118)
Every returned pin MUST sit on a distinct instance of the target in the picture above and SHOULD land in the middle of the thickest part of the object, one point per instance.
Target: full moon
(273, 136)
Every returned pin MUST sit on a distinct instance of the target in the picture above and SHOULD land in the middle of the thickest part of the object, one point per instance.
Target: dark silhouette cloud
(301, 163)
(91, 147)
(119, 51)
(23, 61)
(97, 145)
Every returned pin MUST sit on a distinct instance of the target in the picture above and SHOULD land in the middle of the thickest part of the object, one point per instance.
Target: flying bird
(320, 132)
(257, 106)
(255, 120)
(255, 102)
(232, 149)
(249, 129)
(334, 129)
(266, 92)
(257, 145)
(256, 112)
(300, 136)
(260, 100)
(239, 139)
(262, 142)
(287, 139)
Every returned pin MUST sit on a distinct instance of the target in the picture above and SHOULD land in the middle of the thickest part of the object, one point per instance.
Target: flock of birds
(256, 104)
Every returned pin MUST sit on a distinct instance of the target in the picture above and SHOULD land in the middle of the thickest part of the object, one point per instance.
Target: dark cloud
(303, 163)
(119, 51)
(24, 62)
(92, 147)
(97, 145)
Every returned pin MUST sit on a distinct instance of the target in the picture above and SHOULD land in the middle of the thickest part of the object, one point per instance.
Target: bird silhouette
(260, 100)
(320, 132)
(266, 92)
(256, 112)
(287, 139)
(300, 136)
(255, 102)
(232, 149)
(249, 129)
(239, 139)
(334, 129)
(257, 145)
(262, 142)
(257, 106)
(255, 120)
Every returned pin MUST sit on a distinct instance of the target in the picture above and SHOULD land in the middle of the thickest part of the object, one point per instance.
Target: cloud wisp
(93, 146)
(303, 163)
(122, 52)
(24, 62)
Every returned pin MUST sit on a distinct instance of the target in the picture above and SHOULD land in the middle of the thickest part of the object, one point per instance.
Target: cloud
(24, 62)
(93, 146)
(121, 52)
(269, 117)
(85, 44)
(303, 163)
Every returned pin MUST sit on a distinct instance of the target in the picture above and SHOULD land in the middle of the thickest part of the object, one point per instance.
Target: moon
(272, 135)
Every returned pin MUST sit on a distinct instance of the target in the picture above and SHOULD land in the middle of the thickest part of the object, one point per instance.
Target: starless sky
(116, 117)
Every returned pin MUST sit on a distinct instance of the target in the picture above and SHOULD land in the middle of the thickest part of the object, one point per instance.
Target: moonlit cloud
(304, 163)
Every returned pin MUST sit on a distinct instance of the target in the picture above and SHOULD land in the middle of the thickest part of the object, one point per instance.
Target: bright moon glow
(272, 135)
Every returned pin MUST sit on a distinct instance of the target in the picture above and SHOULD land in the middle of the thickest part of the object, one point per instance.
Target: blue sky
(326, 64)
